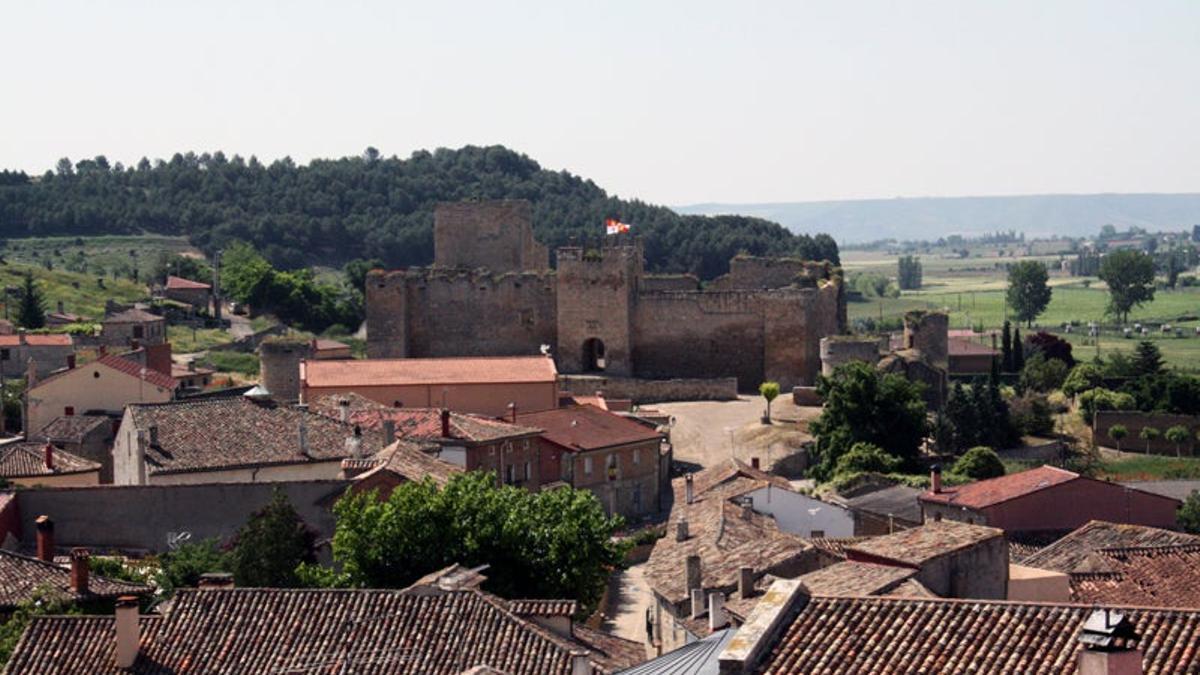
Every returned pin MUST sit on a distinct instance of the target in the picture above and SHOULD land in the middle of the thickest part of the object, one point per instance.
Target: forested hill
(332, 211)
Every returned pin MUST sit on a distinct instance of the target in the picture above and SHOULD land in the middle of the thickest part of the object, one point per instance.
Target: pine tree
(1148, 359)
(32, 311)
(1006, 352)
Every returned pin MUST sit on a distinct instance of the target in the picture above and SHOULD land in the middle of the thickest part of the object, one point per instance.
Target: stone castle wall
(698, 334)
(496, 235)
(754, 272)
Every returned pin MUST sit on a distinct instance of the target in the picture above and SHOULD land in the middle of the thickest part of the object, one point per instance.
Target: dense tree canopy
(1130, 278)
(333, 211)
(1028, 289)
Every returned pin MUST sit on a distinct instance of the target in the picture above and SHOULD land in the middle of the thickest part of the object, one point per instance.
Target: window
(528, 471)
(3, 355)
(526, 443)
(612, 467)
(508, 474)
(587, 465)
(137, 331)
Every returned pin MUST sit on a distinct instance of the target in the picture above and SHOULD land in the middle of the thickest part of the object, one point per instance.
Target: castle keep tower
(496, 235)
(597, 293)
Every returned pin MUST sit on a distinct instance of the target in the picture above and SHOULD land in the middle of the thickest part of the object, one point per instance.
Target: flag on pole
(614, 226)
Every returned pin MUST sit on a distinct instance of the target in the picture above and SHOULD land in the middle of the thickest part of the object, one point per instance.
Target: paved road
(707, 432)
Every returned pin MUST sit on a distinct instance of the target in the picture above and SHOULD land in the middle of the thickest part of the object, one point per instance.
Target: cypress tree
(31, 313)
(1018, 351)
(1006, 353)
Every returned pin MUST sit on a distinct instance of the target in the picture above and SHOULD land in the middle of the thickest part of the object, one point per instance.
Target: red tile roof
(27, 459)
(844, 636)
(134, 315)
(179, 283)
(423, 424)
(71, 428)
(22, 577)
(396, 372)
(985, 493)
(1150, 576)
(920, 544)
(1073, 550)
(137, 370)
(587, 427)
(407, 460)
(964, 347)
(426, 631)
(37, 340)
(855, 578)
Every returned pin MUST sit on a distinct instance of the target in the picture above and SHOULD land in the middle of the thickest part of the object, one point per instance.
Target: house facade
(104, 386)
(48, 352)
(133, 327)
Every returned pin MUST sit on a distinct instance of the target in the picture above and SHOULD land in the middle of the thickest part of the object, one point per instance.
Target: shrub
(1189, 513)
(1099, 398)
(1043, 374)
(980, 462)
(1032, 414)
(867, 457)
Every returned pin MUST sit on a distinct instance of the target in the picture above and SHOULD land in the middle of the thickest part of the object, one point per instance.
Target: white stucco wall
(802, 515)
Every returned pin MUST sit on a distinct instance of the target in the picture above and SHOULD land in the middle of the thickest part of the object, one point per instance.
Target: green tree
(44, 602)
(186, 267)
(979, 463)
(1178, 434)
(1149, 434)
(31, 313)
(1042, 374)
(1083, 376)
(271, 545)
(769, 391)
(1094, 400)
(1006, 353)
(1130, 278)
(866, 457)
(864, 405)
(1028, 290)
(1147, 359)
(183, 566)
(1118, 432)
(1189, 513)
(547, 544)
(1018, 351)
(909, 276)
(356, 272)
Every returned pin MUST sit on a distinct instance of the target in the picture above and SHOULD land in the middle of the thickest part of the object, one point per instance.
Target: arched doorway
(593, 355)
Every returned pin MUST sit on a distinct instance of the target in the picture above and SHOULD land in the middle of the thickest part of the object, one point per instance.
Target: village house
(401, 462)
(192, 378)
(483, 385)
(61, 317)
(1045, 500)
(443, 624)
(103, 387)
(231, 439)
(131, 328)
(615, 458)
(194, 293)
(880, 506)
(48, 352)
(86, 436)
(40, 463)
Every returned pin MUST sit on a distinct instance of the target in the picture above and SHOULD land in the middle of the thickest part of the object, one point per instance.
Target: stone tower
(929, 334)
(387, 314)
(597, 293)
(279, 369)
(496, 235)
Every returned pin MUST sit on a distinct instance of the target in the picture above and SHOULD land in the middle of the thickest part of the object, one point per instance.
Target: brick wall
(1134, 422)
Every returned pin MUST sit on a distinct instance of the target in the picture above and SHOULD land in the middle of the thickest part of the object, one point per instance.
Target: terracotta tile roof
(1152, 576)
(587, 427)
(408, 460)
(134, 315)
(921, 544)
(72, 428)
(535, 607)
(37, 340)
(123, 366)
(421, 423)
(855, 578)
(845, 636)
(726, 536)
(222, 433)
(22, 576)
(27, 459)
(835, 546)
(909, 588)
(178, 283)
(985, 493)
(964, 347)
(1068, 553)
(426, 632)
(611, 653)
(395, 372)
(1018, 551)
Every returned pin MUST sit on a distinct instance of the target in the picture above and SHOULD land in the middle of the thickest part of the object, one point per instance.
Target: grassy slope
(80, 293)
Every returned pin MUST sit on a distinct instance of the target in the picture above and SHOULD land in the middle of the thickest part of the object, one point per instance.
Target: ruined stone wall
(496, 235)
(753, 272)
(670, 282)
(928, 334)
(838, 350)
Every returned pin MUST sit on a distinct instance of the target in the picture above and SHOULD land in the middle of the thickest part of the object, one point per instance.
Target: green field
(80, 293)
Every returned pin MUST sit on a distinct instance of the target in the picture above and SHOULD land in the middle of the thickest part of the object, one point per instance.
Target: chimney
(580, 664)
(354, 443)
(344, 410)
(935, 478)
(129, 633)
(716, 611)
(689, 495)
(692, 571)
(70, 361)
(512, 412)
(215, 580)
(1109, 645)
(754, 462)
(48, 451)
(45, 538)
(745, 582)
(80, 567)
(697, 595)
(445, 423)
(22, 337)
(389, 432)
(303, 433)
(103, 350)
(153, 430)
(681, 530)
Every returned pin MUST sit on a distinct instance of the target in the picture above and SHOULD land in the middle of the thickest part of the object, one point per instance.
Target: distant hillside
(934, 217)
(333, 211)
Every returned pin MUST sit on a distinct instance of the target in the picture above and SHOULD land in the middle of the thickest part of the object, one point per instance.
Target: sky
(669, 102)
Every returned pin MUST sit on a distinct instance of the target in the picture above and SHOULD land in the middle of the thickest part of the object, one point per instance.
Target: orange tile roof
(27, 459)
(37, 340)
(1154, 576)
(587, 427)
(179, 283)
(920, 544)
(985, 493)
(120, 365)
(396, 372)
(1069, 553)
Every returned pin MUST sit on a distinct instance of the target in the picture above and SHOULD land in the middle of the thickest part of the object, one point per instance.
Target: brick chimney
(153, 431)
(581, 664)
(692, 572)
(22, 336)
(48, 452)
(935, 478)
(354, 443)
(512, 412)
(389, 432)
(129, 633)
(1109, 645)
(745, 582)
(344, 410)
(445, 423)
(697, 605)
(688, 490)
(80, 569)
(45, 538)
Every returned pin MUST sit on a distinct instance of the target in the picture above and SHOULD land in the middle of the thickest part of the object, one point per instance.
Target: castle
(491, 292)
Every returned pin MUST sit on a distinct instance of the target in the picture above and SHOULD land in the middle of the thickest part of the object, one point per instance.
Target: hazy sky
(670, 102)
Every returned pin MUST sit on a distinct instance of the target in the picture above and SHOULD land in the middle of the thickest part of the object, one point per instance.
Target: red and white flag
(614, 226)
